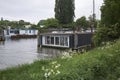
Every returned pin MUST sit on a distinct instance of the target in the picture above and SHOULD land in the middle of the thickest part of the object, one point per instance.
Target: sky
(35, 10)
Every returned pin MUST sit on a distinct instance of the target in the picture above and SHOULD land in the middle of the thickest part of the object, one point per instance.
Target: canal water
(22, 51)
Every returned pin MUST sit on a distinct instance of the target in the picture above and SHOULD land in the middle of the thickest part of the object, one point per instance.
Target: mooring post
(75, 41)
(38, 38)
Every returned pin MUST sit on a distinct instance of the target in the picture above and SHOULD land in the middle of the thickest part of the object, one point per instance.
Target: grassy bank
(102, 63)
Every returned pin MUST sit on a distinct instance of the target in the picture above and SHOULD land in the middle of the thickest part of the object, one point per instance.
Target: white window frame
(59, 45)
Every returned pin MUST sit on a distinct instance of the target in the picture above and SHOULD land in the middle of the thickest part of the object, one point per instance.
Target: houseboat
(66, 39)
(20, 33)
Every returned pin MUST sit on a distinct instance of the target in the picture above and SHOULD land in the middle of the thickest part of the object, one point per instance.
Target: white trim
(43, 40)
(54, 45)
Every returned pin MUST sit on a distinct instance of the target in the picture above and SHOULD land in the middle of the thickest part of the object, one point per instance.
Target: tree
(64, 11)
(82, 23)
(33, 26)
(109, 28)
(51, 23)
(110, 12)
(41, 22)
(105, 34)
(92, 22)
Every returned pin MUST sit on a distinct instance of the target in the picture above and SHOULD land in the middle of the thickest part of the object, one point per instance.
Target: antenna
(93, 24)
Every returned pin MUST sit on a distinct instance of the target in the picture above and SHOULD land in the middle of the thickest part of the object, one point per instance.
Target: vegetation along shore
(102, 63)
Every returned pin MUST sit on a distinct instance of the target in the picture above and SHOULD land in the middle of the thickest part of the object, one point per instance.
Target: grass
(102, 63)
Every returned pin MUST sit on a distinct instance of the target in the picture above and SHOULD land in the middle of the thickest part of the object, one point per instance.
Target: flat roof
(64, 33)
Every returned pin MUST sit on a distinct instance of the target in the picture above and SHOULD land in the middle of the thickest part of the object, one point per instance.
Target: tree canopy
(82, 23)
(64, 11)
(110, 12)
(16, 24)
(109, 28)
(51, 23)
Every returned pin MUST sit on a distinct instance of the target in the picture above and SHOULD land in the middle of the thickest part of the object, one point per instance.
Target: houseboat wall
(71, 42)
(13, 32)
(28, 32)
(78, 40)
(84, 39)
(54, 40)
(40, 41)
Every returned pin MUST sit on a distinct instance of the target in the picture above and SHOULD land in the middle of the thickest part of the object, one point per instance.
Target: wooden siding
(84, 39)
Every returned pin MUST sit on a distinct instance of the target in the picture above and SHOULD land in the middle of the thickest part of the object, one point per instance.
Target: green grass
(102, 63)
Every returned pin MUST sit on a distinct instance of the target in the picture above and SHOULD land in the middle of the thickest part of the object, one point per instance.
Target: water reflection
(2, 42)
(14, 52)
(49, 52)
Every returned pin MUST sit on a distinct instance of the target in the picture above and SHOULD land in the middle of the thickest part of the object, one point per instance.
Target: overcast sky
(35, 10)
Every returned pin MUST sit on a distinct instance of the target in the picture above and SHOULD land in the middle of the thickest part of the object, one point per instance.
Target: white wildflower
(83, 50)
(51, 70)
(108, 43)
(49, 73)
(46, 75)
(43, 68)
(54, 62)
(57, 66)
(58, 72)
(103, 43)
(66, 55)
(102, 48)
(117, 51)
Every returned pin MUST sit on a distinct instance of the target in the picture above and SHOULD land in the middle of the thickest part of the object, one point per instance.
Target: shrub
(106, 33)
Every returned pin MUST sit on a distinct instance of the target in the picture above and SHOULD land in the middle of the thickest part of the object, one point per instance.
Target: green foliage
(110, 12)
(109, 28)
(14, 24)
(102, 63)
(51, 23)
(105, 34)
(82, 23)
(33, 26)
(64, 11)
(91, 21)
(41, 22)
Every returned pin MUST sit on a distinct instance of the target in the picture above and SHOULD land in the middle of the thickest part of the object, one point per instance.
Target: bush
(106, 33)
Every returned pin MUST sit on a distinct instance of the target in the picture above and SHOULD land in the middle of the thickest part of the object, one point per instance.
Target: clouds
(35, 10)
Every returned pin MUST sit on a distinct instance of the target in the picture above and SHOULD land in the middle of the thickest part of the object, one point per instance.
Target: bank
(102, 63)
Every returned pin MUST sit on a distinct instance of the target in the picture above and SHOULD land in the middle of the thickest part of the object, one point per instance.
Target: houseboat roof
(64, 33)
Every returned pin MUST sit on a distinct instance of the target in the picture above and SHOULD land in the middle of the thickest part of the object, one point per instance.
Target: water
(15, 52)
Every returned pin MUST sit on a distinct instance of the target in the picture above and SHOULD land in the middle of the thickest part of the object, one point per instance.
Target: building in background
(9, 32)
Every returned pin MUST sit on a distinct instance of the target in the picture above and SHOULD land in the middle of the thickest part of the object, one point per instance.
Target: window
(47, 40)
(29, 31)
(25, 31)
(33, 31)
(66, 41)
(11, 31)
(52, 40)
(61, 41)
(56, 40)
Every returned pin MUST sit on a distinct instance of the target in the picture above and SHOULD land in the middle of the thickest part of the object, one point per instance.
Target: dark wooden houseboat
(73, 40)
